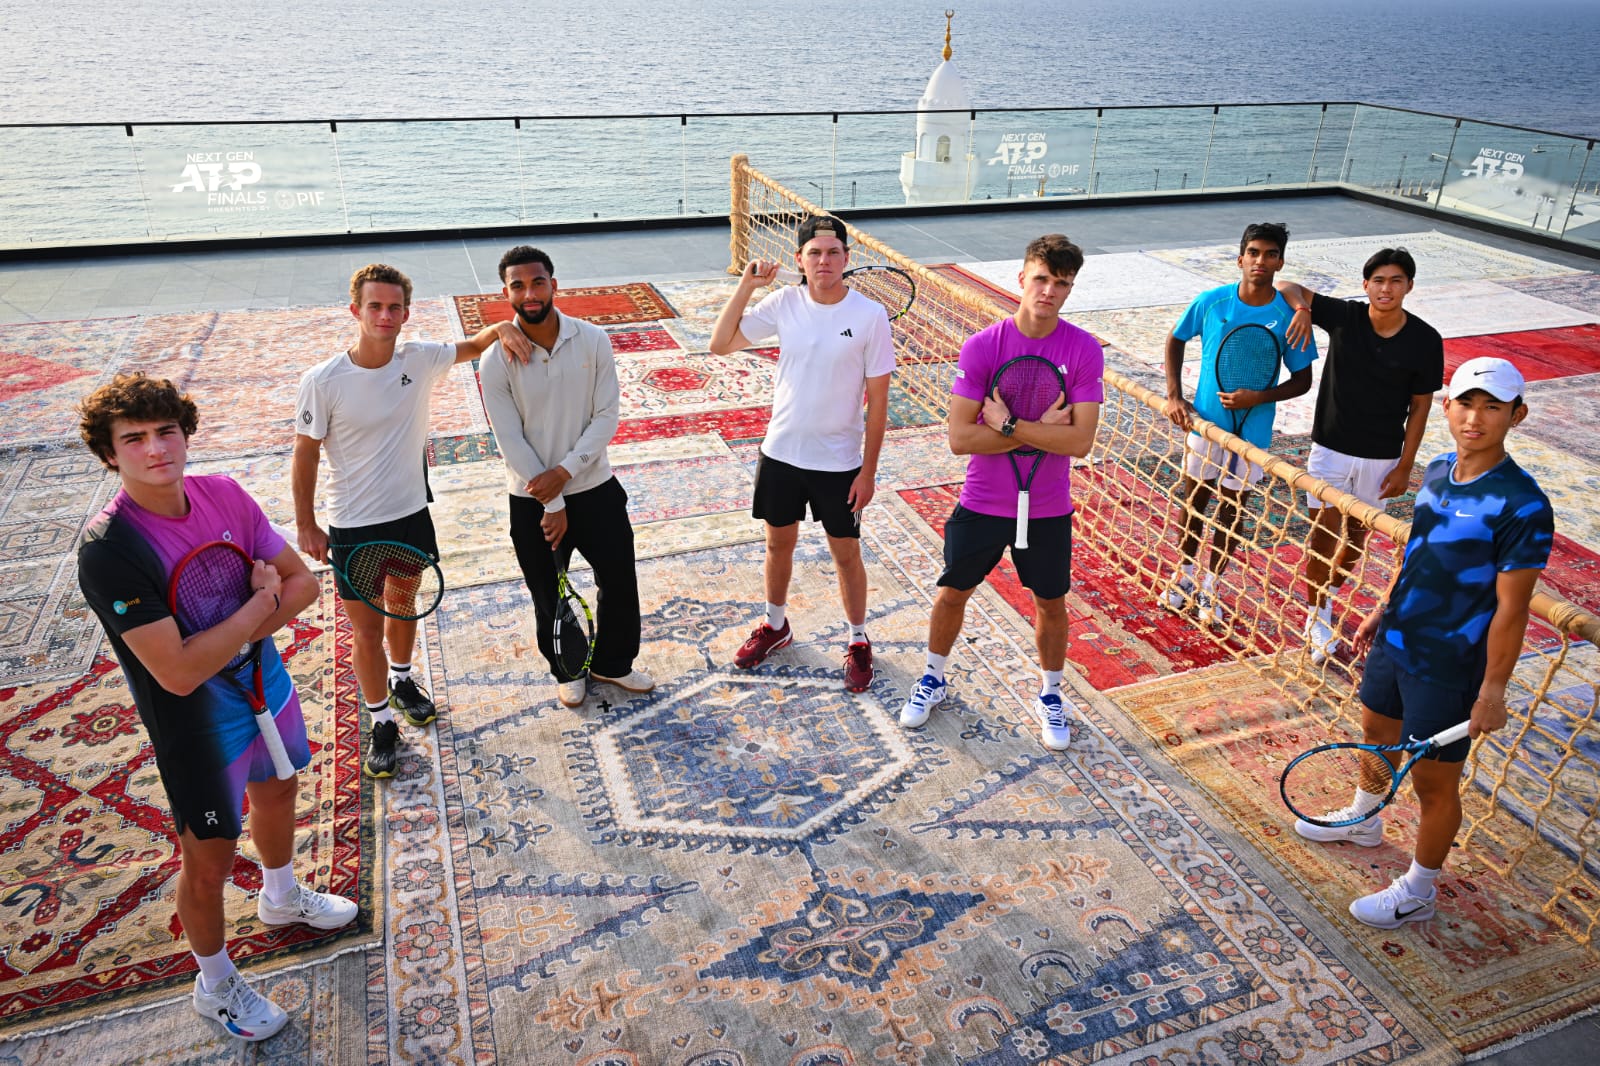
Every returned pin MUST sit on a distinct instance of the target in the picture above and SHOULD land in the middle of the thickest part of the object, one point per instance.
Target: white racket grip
(1022, 518)
(282, 768)
(1453, 734)
(789, 277)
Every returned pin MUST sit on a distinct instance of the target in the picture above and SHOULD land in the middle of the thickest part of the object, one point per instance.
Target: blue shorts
(1423, 707)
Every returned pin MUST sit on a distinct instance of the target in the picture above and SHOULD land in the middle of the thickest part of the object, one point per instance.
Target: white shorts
(1359, 477)
(1206, 460)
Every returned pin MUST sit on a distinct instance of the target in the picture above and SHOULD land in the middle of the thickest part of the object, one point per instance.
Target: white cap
(1497, 377)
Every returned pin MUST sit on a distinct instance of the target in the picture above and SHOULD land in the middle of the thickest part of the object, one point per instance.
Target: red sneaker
(858, 672)
(763, 642)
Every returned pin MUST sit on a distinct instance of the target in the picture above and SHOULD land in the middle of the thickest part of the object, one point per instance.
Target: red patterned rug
(1541, 354)
(972, 281)
(748, 423)
(604, 305)
(87, 911)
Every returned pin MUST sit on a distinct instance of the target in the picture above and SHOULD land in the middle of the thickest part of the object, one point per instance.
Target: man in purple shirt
(984, 522)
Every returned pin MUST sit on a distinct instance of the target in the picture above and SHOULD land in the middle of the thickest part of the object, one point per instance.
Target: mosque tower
(941, 170)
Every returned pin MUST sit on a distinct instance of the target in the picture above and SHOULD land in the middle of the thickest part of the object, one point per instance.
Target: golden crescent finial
(949, 13)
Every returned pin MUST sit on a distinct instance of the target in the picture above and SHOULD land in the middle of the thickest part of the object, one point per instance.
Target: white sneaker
(243, 1011)
(320, 910)
(927, 695)
(1055, 727)
(1179, 593)
(1394, 906)
(636, 681)
(573, 692)
(1366, 834)
(1208, 609)
(1320, 639)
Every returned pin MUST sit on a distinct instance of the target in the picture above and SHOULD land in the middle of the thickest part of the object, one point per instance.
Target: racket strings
(1324, 782)
(573, 632)
(1029, 389)
(393, 576)
(893, 288)
(1248, 359)
(209, 588)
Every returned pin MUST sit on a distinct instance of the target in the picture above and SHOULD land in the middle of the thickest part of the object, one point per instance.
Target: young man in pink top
(984, 522)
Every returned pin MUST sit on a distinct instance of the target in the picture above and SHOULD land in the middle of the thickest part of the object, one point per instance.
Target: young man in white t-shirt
(834, 343)
(368, 408)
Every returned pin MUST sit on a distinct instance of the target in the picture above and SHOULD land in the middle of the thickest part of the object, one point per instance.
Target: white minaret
(941, 169)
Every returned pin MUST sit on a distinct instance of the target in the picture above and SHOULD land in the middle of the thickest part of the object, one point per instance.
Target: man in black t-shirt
(1384, 365)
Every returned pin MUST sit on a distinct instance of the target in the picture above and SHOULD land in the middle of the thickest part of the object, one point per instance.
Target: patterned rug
(754, 867)
(87, 909)
(604, 305)
(1488, 967)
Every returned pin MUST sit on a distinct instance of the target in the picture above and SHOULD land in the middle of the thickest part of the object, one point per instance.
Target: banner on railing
(1037, 161)
(220, 186)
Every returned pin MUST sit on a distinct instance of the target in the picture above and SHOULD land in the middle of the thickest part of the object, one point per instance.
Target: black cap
(824, 224)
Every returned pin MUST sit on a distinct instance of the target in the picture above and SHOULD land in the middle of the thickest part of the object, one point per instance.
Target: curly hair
(135, 397)
(382, 274)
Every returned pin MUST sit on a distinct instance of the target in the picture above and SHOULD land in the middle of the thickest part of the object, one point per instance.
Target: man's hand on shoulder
(513, 341)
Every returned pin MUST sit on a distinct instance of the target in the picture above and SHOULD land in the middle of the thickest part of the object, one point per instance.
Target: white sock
(1366, 801)
(399, 672)
(1187, 569)
(214, 969)
(775, 615)
(380, 712)
(1325, 612)
(1420, 879)
(936, 665)
(858, 633)
(1208, 581)
(1052, 683)
(278, 882)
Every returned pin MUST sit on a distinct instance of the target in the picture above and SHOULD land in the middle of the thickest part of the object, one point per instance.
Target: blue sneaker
(928, 694)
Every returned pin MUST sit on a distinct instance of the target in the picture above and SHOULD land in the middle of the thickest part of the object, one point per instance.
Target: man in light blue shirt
(1208, 466)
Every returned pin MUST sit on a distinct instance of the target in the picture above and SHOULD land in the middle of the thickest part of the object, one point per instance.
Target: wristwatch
(1009, 426)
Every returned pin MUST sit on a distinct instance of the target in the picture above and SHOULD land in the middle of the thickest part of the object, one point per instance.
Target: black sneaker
(381, 755)
(411, 701)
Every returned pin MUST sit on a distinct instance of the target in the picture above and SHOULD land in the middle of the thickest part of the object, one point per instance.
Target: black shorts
(415, 529)
(783, 491)
(974, 543)
(1423, 707)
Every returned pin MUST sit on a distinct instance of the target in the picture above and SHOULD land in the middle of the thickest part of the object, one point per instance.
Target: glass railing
(62, 186)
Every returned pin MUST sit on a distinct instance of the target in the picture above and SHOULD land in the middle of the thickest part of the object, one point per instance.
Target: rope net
(1531, 792)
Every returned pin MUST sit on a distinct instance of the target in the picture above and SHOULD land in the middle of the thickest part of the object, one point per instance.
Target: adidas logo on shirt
(846, 333)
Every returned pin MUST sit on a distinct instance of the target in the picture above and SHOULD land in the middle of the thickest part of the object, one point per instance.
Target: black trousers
(598, 529)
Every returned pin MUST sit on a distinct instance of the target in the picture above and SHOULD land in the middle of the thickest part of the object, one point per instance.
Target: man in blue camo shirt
(1447, 636)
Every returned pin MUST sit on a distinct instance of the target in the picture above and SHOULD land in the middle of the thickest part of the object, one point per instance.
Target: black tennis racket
(1321, 780)
(1028, 385)
(208, 587)
(891, 286)
(1248, 358)
(393, 578)
(573, 632)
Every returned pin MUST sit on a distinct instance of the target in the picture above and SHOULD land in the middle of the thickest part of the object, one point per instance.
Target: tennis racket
(1247, 358)
(208, 587)
(1320, 780)
(574, 639)
(894, 288)
(394, 579)
(1028, 385)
